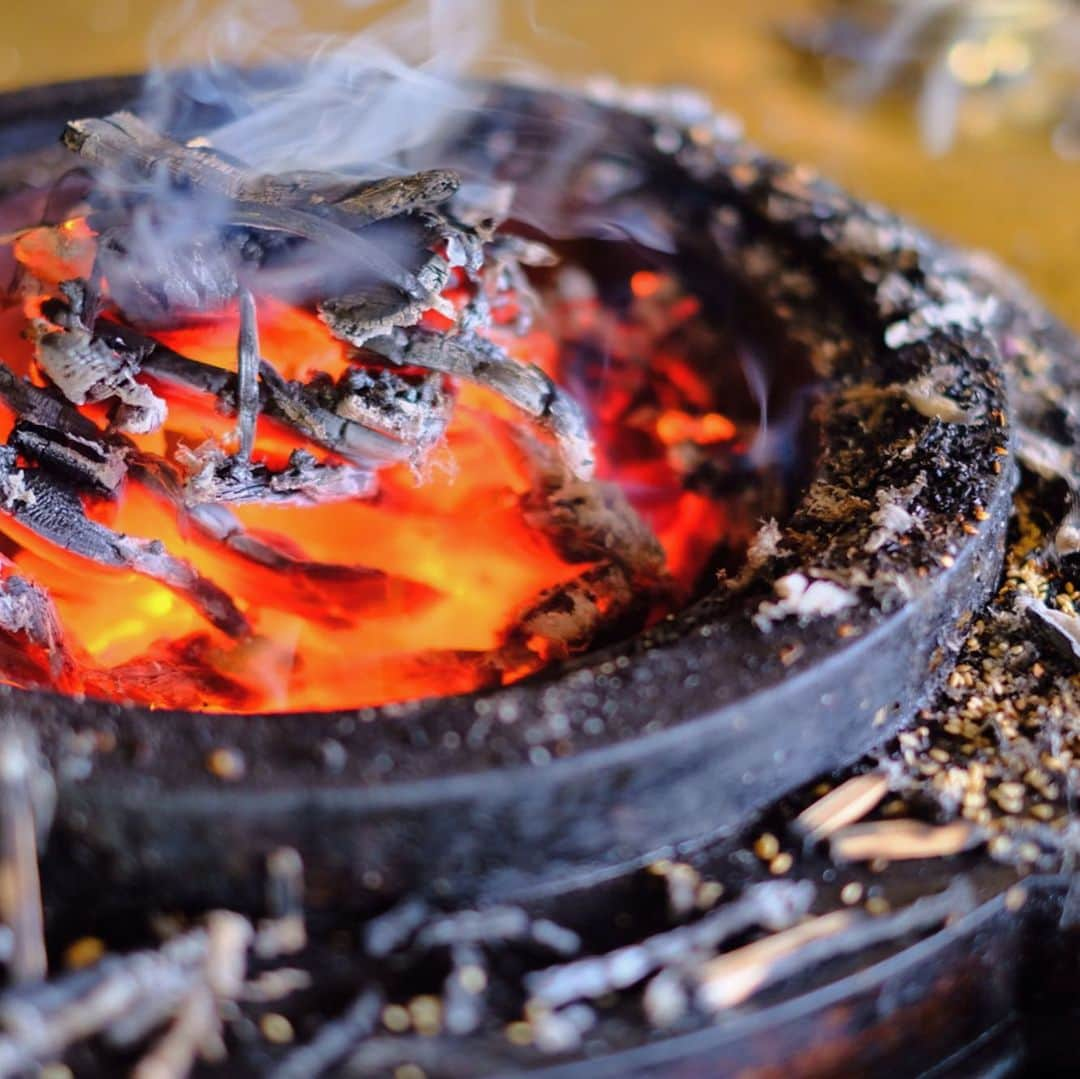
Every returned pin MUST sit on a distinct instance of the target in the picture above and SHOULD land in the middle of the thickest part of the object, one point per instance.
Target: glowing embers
(171, 576)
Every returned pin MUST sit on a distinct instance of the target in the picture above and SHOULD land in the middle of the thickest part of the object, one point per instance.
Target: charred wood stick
(474, 358)
(464, 989)
(734, 977)
(774, 905)
(247, 375)
(287, 402)
(123, 143)
(52, 431)
(20, 884)
(335, 1040)
(51, 510)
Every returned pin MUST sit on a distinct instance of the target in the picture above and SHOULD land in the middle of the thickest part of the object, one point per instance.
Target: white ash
(893, 517)
(85, 369)
(798, 596)
(13, 489)
(766, 545)
(960, 309)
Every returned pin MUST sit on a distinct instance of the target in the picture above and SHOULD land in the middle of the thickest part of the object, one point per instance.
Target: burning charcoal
(415, 413)
(478, 360)
(288, 402)
(774, 905)
(160, 285)
(85, 369)
(93, 464)
(52, 510)
(215, 477)
(27, 612)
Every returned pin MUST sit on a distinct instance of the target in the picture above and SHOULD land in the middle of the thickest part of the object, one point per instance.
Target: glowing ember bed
(724, 496)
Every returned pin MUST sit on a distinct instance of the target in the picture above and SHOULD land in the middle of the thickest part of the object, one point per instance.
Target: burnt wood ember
(479, 360)
(51, 509)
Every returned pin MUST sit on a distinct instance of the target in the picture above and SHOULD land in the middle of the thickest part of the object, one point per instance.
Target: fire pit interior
(315, 440)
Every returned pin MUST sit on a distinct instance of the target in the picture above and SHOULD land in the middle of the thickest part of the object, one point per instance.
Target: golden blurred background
(1005, 191)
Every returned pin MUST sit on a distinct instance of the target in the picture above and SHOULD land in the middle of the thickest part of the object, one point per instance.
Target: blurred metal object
(973, 66)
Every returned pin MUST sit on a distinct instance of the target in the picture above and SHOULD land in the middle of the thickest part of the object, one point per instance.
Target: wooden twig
(20, 885)
(38, 1022)
(902, 840)
(845, 805)
(774, 905)
(736, 976)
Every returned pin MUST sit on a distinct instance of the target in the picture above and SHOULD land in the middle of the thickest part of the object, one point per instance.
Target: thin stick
(247, 374)
(336, 1039)
(845, 805)
(902, 840)
(20, 885)
(775, 905)
(732, 978)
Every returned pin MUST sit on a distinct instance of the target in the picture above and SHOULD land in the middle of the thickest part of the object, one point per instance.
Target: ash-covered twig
(463, 990)
(214, 477)
(414, 412)
(26, 798)
(335, 1040)
(123, 997)
(734, 977)
(774, 905)
(52, 510)
(290, 403)
(247, 375)
(496, 925)
(476, 359)
(284, 931)
(196, 1031)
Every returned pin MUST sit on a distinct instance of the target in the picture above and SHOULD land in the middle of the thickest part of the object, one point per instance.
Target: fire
(409, 592)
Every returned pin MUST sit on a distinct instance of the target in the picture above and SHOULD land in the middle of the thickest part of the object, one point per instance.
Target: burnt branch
(476, 359)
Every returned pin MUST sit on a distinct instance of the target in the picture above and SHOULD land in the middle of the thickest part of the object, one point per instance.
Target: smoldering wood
(414, 412)
(476, 359)
(20, 896)
(383, 307)
(215, 477)
(27, 613)
(51, 509)
(773, 905)
(86, 370)
(335, 1040)
(124, 144)
(291, 403)
(49, 430)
